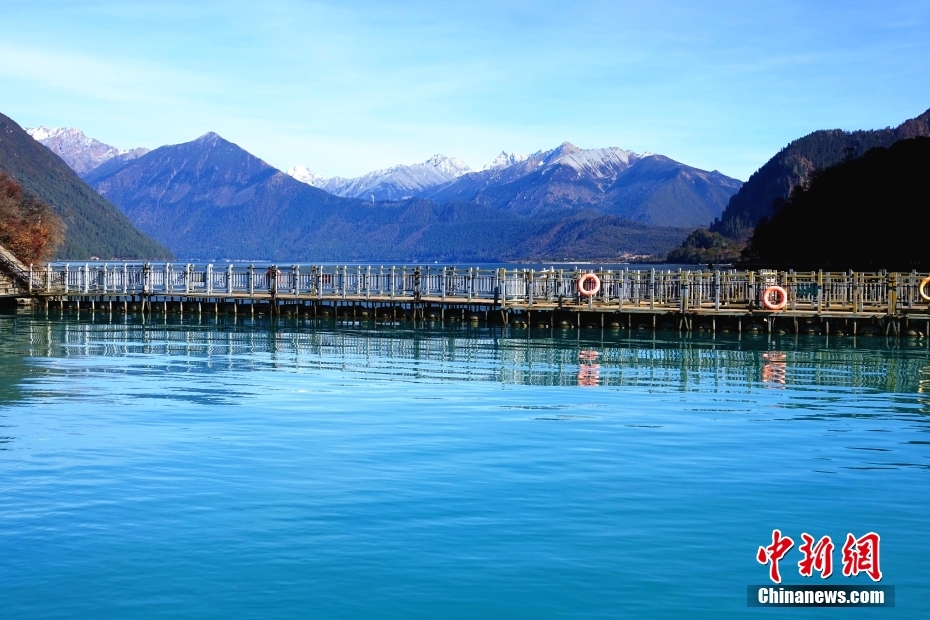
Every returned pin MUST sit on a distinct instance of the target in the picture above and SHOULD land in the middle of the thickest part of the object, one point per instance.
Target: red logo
(817, 557)
(773, 553)
(860, 555)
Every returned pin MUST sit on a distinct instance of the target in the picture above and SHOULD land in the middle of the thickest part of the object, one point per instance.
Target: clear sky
(346, 87)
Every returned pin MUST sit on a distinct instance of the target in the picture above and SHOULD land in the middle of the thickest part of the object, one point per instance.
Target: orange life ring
(923, 288)
(775, 305)
(586, 291)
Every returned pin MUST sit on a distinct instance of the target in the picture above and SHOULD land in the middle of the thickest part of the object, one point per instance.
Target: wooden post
(501, 285)
(819, 291)
(530, 285)
(652, 289)
(892, 292)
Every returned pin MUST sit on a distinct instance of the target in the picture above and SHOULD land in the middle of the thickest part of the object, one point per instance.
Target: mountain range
(211, 199)
(647, 188)
(94, 226)
(205, 198)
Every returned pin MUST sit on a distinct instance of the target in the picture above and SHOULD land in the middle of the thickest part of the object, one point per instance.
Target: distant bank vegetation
(28, 227)
(705, 246)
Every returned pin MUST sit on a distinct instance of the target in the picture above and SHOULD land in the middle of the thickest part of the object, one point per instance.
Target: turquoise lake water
(219, 468)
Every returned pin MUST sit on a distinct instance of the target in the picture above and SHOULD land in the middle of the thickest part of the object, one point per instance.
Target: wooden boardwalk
(627, 298)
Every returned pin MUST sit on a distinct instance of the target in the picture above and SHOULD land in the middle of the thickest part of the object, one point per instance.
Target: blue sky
(347, 87)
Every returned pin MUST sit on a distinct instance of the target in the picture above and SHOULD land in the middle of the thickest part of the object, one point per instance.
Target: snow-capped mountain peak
(451, 166)
(81, 152)
(504, 160)
(394, 183)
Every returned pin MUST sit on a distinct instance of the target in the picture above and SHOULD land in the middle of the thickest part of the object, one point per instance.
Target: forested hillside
(94, 227)
(868, 213)
(794, 164)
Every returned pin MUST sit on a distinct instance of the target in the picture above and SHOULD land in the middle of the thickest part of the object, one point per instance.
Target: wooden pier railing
(718, 292)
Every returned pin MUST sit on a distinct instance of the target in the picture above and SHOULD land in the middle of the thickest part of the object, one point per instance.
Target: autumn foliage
(28, 227)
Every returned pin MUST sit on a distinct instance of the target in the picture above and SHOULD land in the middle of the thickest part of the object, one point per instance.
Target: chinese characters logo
(860, 555)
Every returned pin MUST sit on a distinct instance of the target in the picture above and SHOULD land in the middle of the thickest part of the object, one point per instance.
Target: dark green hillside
(868, 213)
(94, 226)
(794, 164)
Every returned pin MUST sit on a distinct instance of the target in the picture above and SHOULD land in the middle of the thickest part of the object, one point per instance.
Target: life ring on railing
(781, 298)
(589, 292)
(923, 288)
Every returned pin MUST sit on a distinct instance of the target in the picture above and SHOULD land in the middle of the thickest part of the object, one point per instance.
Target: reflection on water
(589, 372)
(300, 468)
(497, 354)
(774, 368)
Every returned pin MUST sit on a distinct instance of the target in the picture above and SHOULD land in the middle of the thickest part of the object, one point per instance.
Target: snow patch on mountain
(81, 152)
(305, 175)
(596, 162)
